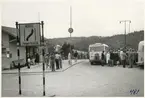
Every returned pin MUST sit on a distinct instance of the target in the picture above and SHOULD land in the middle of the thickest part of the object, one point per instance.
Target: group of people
(75, 55)
(53, 61)
(119, 58)
(32, 60)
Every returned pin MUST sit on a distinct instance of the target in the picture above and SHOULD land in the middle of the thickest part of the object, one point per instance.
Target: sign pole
(28, 35)
(26, 56)
(70, 30)
(18, 54)
(125, 36)
(43, 53)
(70, 50)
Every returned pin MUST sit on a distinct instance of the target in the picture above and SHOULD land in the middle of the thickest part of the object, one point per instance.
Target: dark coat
(111, 56)
(102, 56)
(37, 58)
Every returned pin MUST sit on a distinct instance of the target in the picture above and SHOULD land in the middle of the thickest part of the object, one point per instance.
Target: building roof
(10, 30)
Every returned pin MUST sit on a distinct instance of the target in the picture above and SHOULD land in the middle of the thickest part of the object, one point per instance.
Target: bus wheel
(142, 66)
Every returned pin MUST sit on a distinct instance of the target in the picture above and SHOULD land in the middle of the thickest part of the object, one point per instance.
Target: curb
(71, 66)
(38, 73)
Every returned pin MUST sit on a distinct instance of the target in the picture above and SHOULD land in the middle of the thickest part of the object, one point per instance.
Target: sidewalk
(38, 68)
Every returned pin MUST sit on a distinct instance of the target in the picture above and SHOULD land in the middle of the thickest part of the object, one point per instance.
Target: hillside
(116, 41)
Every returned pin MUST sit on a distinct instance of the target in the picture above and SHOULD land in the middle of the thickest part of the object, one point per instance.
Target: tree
(66, 48)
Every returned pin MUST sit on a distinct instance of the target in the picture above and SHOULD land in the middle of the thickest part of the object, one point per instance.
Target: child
(29, 62)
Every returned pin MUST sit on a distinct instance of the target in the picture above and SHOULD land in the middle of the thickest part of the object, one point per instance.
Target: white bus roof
(140, 45)
(98, 44)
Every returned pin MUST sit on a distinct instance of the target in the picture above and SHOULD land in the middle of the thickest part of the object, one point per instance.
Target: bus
(141, 54)
(95, 51)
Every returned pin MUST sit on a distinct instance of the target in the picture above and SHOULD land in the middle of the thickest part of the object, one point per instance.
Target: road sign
(29, 34)
(70, 30)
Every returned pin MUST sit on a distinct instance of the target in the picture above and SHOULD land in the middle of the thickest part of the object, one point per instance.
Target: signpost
(70, 30)
(29, 34)
(18, 54)
(43, 53)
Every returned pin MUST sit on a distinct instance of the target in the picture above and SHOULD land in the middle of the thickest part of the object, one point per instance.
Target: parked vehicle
(141, 54)
(95, 51)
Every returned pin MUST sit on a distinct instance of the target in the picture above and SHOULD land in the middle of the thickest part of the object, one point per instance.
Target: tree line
(115, 41)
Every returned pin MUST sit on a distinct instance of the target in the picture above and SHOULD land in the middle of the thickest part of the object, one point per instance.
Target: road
(80, 80)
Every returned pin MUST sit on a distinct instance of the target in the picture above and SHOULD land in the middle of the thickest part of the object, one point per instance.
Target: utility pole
(70, 30)
(70, 18)
(125, 21)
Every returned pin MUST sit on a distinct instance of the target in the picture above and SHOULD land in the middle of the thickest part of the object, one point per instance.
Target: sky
(89, 17)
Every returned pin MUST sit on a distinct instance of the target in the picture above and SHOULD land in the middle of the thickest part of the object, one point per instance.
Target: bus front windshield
(96, 49)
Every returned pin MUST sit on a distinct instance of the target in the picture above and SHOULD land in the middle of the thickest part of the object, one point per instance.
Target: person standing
(29, 62)
(47, 60)
(134, 55)
(131, 58)
(69, 58)
(102, 58)
(111, 58)
(115, 58)
(120, 55)
(60, 61)
(76, 56)
(57, 57)
(124, 57)
(37, 58)
(52, 62)
(108, 57)
(119, 60)
(33, 60)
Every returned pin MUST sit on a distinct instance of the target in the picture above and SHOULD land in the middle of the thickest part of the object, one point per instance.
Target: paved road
(80, 80)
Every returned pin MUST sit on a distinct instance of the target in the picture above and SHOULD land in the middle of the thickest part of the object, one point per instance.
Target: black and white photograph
(72, 48)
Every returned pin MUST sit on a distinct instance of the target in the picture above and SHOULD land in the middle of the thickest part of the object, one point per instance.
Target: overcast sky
(89, 17)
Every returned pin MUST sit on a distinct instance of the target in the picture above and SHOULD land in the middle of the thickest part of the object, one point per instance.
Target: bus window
(101, 48)
(106, 48)
(142, 48)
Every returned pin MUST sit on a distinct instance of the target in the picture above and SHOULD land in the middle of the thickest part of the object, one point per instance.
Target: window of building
(11, 38)
(3, 50)
(10, 55)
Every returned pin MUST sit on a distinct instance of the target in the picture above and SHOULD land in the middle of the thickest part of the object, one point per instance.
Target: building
(9, 47)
